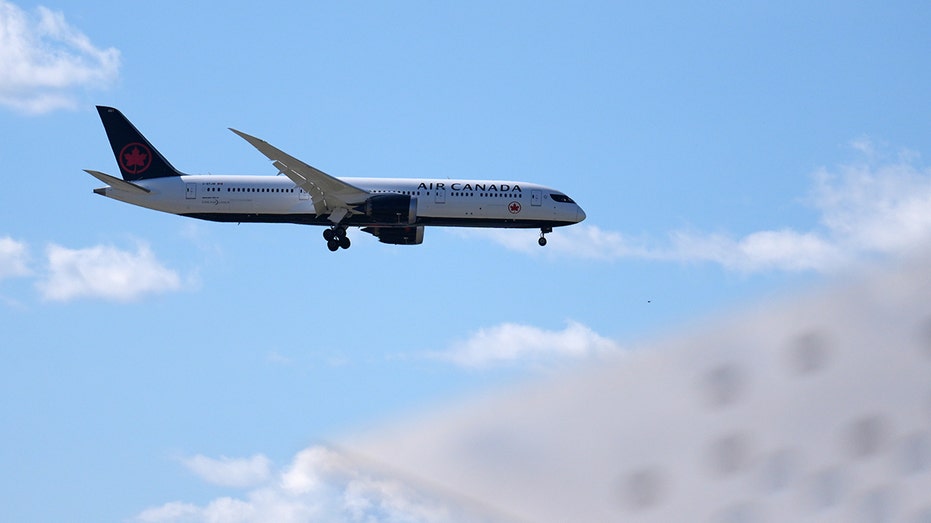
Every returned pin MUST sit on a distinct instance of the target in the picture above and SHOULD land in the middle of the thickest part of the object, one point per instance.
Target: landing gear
(543, 231)
(336, 238)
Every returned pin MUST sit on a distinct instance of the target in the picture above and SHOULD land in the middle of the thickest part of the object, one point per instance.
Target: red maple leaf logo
(514, 207)
(136, 159)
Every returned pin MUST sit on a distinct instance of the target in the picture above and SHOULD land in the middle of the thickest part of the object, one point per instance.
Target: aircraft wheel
(543, 231)
(333, 245)
(329, 234)
(344, 242)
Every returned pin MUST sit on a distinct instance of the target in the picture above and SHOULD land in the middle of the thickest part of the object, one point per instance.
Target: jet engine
(393, 209)
(397, 235)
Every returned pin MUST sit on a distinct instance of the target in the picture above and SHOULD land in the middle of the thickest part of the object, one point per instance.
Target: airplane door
(190, 191)
(441, 196)
(536, 198)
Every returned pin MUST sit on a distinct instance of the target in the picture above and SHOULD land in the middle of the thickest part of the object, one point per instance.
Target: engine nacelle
(394, 209)
(397, 235)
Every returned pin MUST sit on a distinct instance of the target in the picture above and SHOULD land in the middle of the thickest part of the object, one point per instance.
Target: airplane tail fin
(136, 157)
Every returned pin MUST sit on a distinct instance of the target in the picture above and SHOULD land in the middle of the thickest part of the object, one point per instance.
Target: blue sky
(722, 153)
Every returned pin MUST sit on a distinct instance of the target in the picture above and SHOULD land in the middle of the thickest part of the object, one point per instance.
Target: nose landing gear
(336, 238)
(543, 232)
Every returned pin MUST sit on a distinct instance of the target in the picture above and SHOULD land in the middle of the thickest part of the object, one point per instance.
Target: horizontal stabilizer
(116, 183)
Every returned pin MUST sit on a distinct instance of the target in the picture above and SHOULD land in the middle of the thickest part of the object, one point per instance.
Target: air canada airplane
(395, 210)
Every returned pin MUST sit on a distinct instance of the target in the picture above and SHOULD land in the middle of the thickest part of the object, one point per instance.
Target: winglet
(258, 143)
(116, 183)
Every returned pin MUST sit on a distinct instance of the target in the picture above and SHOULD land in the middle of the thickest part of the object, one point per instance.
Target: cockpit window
(562, 198)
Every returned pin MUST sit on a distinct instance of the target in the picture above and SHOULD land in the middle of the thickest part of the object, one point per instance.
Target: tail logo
(135, 158)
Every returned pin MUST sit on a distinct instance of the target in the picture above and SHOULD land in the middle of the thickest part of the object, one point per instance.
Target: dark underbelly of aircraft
(364, 221)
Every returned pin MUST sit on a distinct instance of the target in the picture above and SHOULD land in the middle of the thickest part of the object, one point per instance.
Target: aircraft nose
(580, 214)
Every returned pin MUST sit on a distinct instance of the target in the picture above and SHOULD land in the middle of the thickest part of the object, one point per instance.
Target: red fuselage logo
(514, 207)
(135, 158)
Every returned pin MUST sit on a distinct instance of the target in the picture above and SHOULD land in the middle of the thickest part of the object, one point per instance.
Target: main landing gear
(336, 238)
(543, 232)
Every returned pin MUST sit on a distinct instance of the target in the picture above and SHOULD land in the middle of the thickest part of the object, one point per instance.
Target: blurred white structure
(816, 408)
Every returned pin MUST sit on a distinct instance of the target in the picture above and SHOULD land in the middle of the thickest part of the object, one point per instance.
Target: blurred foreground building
(816, 408)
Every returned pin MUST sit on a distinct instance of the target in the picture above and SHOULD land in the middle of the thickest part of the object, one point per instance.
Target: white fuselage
(238, 198)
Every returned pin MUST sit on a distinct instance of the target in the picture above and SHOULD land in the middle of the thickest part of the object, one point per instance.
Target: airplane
(395, 210)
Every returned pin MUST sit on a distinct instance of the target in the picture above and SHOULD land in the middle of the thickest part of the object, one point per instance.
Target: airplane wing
(330, 195)
(116, 183)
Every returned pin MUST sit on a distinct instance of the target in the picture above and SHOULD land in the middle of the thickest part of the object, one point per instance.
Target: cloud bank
(13, 258)
(874, 207)
(318, 485)
(105, 272)
(100, 272)
(45, 60)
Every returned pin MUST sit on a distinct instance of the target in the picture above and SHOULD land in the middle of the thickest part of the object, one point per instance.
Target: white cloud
(14, 256)
(882, 209)
(304, 474)
(578, 241)
(44, 59)
(229, 472)
(105, 272)
(510, 342)
(97, 272)
(759, 251)
(865, 209)
(176, 512)
(319, 485)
